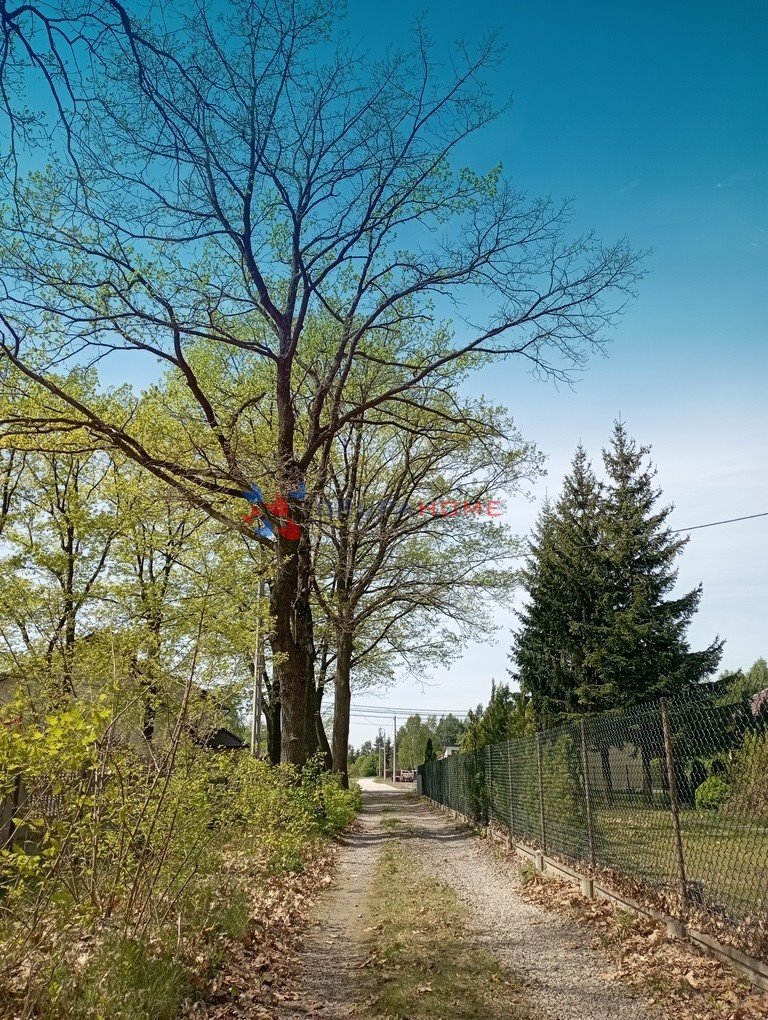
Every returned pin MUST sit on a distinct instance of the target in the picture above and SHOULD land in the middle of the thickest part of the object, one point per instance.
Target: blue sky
(653, 119)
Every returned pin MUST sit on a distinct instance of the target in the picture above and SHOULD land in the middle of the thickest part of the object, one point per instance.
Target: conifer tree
(506, 716)
(644, 651)
(600, 628)
(557, 647)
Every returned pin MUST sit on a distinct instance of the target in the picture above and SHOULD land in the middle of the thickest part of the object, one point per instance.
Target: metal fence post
(587, 795)
(489, 782)
(509, 778)
(673, 801)
(542, 815)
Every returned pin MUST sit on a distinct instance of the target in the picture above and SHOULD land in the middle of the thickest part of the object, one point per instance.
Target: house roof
(224, 740)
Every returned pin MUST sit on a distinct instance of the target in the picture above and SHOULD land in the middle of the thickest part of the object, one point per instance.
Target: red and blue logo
(278, 509)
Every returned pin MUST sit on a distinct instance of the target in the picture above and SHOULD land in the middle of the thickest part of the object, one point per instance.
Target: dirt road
(563, 976)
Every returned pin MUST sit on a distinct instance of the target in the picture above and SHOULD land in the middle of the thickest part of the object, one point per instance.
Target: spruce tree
(644, 652)
(600, 629)
(557, 646)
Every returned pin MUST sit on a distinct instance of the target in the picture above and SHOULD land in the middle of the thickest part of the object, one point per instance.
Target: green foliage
(507, 715)
(341, 805)
(712, 793)
(365, 765)
(563, 793)
(476, 788)
(561, 624)
(447, 731)
(429, 751)
(109, 839)
(600, 629)
(739, 685)
(412, 741)
(747, 775)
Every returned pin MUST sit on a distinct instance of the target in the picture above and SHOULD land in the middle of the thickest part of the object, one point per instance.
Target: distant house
(224, 740)
(450, 750)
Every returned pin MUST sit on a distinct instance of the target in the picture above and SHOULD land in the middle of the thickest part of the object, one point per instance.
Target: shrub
(164, 850)
(749, 790)
(365, 765)
(712, 793)
(564, 795)
(341, 805)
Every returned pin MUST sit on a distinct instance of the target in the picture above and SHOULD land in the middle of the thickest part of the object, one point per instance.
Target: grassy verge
(424, 965)
(728, 855)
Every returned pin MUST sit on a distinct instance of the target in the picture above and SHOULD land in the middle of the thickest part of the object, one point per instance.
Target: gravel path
(565, 977)
(334, 947)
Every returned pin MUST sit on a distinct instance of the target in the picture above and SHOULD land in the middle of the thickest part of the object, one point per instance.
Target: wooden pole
(673, 801)
(587, 795)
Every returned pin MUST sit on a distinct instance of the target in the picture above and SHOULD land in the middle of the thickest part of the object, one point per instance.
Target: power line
(399, 710)
(714, 524)
(388, 713)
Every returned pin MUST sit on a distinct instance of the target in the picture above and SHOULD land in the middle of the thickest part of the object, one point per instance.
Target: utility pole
(394, 750)
(256, 699)
(258, 670)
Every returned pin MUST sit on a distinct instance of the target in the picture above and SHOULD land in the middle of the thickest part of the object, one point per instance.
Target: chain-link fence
(672, 795)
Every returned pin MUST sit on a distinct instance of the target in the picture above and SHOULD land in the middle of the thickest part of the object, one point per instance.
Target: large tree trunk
(291, 638)
(343, 697)
(322, 736)
(293, 649)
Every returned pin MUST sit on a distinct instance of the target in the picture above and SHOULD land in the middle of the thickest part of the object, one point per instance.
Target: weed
(426, 965)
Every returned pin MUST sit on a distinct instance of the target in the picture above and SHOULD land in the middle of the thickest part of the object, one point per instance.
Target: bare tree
(246, 184)
(408, 563)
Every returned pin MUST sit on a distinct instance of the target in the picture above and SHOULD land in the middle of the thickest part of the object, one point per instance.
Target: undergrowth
(127, 880)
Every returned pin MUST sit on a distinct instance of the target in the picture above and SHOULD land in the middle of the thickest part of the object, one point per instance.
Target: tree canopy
(246, 185)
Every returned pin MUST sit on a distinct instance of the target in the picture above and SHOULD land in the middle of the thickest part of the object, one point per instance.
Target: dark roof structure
(224, 740)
